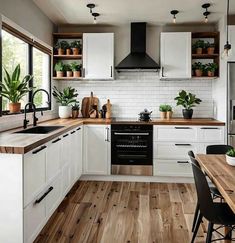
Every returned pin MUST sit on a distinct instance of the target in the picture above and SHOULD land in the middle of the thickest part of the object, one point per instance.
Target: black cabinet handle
(40, 149)
(79, 128)
(111, 72)
(183, 128)
(209, 128)
(182, 162)
(44, 195)
(66, 135)
(72, 132)
(183, 144)
(57, 140)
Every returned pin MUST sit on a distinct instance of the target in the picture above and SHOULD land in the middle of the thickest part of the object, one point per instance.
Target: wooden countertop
(23, 143)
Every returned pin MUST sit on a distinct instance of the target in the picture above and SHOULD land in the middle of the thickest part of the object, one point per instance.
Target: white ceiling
(117, 12)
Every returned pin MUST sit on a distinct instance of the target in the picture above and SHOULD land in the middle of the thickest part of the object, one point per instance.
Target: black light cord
(227, 18)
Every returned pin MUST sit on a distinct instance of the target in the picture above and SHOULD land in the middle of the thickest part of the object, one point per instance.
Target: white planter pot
(65, 111)
(230, 160)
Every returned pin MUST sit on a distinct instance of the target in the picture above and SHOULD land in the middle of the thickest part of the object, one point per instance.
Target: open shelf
(205, 56)
(68, 35)
(205, 77)
(68, 78)
(68, 57)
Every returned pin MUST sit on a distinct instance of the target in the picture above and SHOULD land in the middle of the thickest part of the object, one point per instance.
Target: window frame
(31, 44)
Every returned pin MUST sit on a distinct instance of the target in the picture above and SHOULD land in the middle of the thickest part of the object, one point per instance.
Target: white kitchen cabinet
(96, 150)
(79, 152)
(231, 38)
(176, 55)
(211, 134)
(98, 55)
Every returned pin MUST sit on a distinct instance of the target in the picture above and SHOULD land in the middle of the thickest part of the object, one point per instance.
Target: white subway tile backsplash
(131, 92)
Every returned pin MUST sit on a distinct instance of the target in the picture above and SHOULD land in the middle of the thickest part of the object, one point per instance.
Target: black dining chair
(216, 213)
(213, 190)
(218, 149)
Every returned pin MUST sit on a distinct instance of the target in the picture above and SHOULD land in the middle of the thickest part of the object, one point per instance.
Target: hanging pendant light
(227, 47)
(90, 6)
(95, 15)
(174, 12)
(206, 13)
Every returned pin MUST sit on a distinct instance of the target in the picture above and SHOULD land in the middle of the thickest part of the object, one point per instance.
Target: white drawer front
(34, 219)
(175, 133)
(172, 168)
(173, 150)
(211, 134)
(65, 179)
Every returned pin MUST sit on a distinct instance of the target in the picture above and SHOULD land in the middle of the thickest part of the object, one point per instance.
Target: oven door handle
(132, 133)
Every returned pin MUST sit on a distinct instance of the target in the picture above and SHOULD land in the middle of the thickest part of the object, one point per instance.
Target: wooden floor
(124, 212)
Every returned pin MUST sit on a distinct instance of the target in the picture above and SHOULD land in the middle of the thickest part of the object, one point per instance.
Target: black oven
(132, 148)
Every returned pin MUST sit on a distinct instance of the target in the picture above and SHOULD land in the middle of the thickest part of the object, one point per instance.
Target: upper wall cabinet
(98, 55)
(176, 55)
(231, 38)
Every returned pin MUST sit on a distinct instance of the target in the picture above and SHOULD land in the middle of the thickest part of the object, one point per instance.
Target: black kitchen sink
(40, 129)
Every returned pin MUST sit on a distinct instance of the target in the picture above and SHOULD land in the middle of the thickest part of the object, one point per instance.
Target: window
(34, 59)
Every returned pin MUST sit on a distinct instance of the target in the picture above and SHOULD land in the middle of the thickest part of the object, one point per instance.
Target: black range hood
(138, 59)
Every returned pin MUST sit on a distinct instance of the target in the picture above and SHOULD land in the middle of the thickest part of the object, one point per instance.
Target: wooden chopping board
(87, 105)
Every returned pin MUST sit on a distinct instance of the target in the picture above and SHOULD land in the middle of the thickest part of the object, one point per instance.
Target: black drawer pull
(182, 162)
(38, 150)
(79, 128)
(183, 144)
(66, 135)
(57, 140)
(44, 195)
(72, 132)
(210, 128)
(183, 128)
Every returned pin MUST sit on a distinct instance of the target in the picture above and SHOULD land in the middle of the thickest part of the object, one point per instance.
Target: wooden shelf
(205, 56)
(68, 35)
(205, 77)
(68, 57)
(68, 78)
(205, 34)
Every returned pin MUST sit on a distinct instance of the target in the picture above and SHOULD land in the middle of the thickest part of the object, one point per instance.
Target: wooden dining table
(221, 174)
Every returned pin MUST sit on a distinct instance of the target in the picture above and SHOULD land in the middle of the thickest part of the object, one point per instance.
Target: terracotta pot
(169, 114)
(199, 50)
(76, 74)
(69, 74)
(75, 51)
(60, 51)
(198, 73)
(14, 107)
(59, 74)
(210, 50)
(68, 51)
(162, 114)
(75, 114)
(210, 74)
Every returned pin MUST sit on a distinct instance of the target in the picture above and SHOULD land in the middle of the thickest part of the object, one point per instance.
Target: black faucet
(35, 119)
(48, 96)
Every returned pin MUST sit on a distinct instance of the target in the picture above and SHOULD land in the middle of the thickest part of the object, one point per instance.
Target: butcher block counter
(20, 143)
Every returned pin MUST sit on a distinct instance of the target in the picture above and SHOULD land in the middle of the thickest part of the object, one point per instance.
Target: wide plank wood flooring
(124, 212)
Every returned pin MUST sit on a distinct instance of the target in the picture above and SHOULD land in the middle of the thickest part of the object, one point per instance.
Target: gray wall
(28, 16)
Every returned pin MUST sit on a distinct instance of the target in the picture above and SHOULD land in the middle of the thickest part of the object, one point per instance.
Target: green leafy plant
(199, 44)
(67, 67)
(231, 152)
(59, 67)
(168, 108)
(187, 100)
(198, 66)
(163, 108)
(208, 44)
(13, 88)
(211, 67)
(66, 97)
(75, 66)
(62, 45)
(75, 44)
(75, 106)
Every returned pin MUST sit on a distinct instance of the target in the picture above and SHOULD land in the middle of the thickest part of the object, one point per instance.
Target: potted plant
(59, 68)
(65, 98)
(76, 68)
(169, 112)
(210, 47)
(211, 68)
(230, 157)
(68, 49)
(15, 89)
(198, 46)
(188, 101)
(163, 110)
(198, 68)
(76, 46)
(75, 110)
(68, 70)
(61, 46)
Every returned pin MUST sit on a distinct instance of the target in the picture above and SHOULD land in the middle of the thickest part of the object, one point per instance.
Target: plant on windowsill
(198, 68)
(75, 110)
(76, 68)
(68, 70)
(15, 89)
(76, 47)
(198, 46)
(211, 68)
(61, 46)
(230, 157)
(59, 68)
(65, 97)
(210, 47)
(188, 101)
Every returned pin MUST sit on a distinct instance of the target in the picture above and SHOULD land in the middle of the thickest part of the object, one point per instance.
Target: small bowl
(230, 160)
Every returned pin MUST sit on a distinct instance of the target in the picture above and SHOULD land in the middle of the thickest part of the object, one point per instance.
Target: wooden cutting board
(87, 104)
